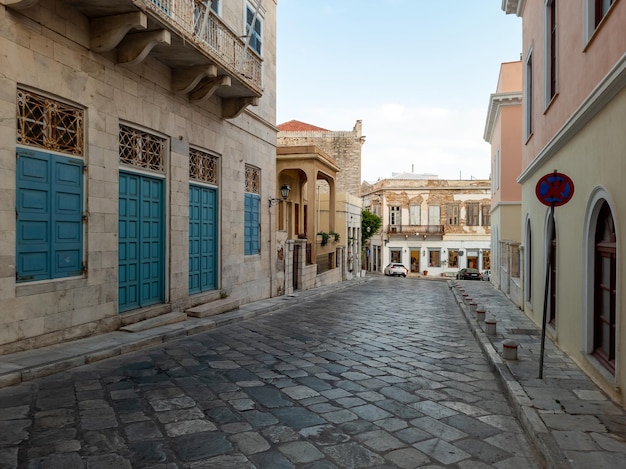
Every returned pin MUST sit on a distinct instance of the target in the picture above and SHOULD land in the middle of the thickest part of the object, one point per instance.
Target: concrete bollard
(472, 307)
(509, 349)
(480, 315)
(491, 326)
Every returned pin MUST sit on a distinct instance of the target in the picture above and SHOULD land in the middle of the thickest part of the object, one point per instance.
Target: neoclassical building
(138, 154)
(574, 103)
(433, 226)
(503, 131)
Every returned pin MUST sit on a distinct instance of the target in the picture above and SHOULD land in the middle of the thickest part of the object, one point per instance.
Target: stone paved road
(384, 374)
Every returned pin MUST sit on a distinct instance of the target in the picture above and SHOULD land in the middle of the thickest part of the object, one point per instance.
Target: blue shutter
(49, 202)
(194, 239)
(202, 239)
(128, 242)
(67, 217)
(251, 224)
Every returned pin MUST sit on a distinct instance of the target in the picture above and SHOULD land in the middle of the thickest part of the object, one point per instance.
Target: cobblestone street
(382, 374)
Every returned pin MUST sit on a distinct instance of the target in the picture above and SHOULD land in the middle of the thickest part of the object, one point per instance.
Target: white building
(433, 226)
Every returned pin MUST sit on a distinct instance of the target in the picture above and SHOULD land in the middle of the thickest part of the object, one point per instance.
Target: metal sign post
(554, 189)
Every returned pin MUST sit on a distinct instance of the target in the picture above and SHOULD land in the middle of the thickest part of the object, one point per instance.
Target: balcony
(414, 229)
(205, 55)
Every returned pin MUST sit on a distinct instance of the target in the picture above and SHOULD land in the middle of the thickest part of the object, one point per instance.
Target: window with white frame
(434, 257)
(528, 95)
(395, 215)
(594, 12)
(453, 258)
(551, 39)
(254, 28)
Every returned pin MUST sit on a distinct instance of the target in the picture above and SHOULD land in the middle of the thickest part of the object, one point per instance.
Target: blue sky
(418, 73)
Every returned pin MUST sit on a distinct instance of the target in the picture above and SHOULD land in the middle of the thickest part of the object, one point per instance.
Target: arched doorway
(604, 288)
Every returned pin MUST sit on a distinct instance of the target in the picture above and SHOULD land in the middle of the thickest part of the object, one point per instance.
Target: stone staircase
(157, 321)
(212, 308)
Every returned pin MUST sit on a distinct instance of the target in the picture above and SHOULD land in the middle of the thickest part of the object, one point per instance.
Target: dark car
(469, 274)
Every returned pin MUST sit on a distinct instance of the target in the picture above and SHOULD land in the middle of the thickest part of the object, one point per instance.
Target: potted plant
(324, 237)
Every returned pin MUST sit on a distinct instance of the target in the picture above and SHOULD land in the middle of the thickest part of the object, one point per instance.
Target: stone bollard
(509, 349)
(480, 314)
(472, 307)
(491, 326)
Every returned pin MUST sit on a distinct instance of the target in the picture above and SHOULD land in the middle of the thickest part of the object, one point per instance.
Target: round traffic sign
(554, 189)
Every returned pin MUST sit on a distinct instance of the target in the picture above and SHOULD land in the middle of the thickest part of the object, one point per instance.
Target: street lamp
(284, 192)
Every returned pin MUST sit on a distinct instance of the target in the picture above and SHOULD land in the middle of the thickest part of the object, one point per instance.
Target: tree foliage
(371, 221)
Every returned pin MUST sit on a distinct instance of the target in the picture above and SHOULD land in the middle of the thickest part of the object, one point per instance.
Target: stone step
(151, 323)
(213, 308)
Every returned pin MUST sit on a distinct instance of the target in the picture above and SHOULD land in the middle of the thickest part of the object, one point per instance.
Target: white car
(396, 268)
(487, 275)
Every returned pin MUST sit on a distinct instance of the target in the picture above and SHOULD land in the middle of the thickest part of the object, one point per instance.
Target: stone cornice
(496, 101)
(513, 6)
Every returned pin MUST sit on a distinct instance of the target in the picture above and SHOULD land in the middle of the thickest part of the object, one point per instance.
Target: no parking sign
(554, 189)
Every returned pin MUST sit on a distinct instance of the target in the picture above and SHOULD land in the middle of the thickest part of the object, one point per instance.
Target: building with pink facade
(503, 129)
(574, 103)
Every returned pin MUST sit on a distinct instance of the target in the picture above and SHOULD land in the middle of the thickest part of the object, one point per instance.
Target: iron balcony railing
(415, 229)
(211, 36)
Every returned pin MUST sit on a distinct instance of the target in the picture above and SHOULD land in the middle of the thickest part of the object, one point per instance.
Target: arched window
(604, 289)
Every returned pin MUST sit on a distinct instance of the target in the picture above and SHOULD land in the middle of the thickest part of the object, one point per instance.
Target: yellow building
(574, 103)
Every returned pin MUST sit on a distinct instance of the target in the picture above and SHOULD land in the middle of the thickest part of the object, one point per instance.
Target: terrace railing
(211, 35)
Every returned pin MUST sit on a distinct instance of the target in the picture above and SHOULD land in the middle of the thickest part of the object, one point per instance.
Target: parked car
(469, 274)
(487, 275)
(396, 269)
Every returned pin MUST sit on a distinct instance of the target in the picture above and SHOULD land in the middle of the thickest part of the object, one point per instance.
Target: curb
(536, 431)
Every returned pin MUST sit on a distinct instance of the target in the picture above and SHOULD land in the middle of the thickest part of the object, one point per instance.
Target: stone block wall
(39, 56)
(343, 146)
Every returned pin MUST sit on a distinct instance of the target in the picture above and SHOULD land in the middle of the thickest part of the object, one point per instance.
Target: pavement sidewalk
(572, 423)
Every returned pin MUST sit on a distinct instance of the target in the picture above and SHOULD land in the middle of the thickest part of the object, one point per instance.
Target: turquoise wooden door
(202, 239)
(141, 241)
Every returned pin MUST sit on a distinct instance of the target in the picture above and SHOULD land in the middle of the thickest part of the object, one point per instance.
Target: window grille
(46, 123)
(203, 166)
(253, 180)
(141, 149)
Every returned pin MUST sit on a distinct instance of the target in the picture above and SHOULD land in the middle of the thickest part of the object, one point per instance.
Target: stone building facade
(145, 159)
(343, 146)
(433, 226)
